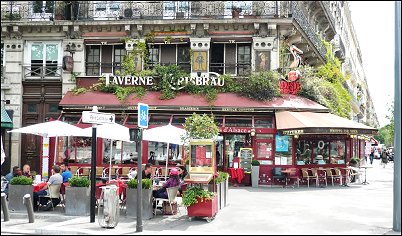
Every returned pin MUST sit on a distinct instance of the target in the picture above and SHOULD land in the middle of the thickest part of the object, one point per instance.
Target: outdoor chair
(83, 171)
(277, 174)
(314, 172)
(73, 170)
(53, 194)
(330, 175)
(294, 174)
(123, 172)
(306, 175)
(338, 175)
(172, 193)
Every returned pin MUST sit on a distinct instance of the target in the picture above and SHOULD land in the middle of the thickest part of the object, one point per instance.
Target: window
(106, 9)
(76, 149)
(167, 54)
(320, 152)
(176, 9)
(243, 59)
(263, 122)
(160, 150)
(104, 59)
(121, 152)
(246, 6)
(238, 122)
(43, 59)
(283, 150)
(42, 10)
(338, 152)
(159, 120)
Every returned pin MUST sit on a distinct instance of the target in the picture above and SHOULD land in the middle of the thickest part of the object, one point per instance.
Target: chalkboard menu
(245, 158)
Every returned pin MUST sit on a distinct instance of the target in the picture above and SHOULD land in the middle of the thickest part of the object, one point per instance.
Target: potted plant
(131, 200)
(236, 11)
(224, 180)
(78, 196)
(255, 173)
(217, 188)
(354, 162)
(60, 11)
(200, 202)
(18, 187)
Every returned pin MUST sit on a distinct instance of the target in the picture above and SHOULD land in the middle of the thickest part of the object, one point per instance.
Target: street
(358, 209)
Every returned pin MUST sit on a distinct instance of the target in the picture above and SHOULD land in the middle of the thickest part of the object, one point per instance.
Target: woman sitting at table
(173, 181)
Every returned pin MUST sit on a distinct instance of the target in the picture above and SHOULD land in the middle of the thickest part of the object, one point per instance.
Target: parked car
(390, 153)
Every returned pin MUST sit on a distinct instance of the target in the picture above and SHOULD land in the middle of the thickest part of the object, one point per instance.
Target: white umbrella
(3, 154)
(109, 131)
(50, 129)
(165, 134)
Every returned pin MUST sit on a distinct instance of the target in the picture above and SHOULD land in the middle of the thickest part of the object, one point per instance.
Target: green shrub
(76, 181)
(146, 183)
(191, 193)
(255, 163)
(21, 180)
(222, 176)
(201, 127)
(261, 86)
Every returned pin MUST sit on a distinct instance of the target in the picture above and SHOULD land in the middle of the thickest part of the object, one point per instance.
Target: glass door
(232, 145)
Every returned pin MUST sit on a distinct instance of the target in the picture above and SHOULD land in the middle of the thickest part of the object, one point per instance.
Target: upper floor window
(245, 6)
(43, 59)
(104, 59)
(106, 9)
(167, 54)
(243, 59)
(176, 9)
(42, 10)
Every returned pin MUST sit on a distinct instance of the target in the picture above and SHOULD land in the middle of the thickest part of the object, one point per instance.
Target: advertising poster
(282, 143)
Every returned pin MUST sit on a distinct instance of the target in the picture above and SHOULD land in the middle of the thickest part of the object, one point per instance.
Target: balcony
(127, 10)
(37, 71)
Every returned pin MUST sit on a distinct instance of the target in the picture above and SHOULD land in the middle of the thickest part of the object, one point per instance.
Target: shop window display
(75, 149)
(321, 152)
(283, 150)
(121, 153)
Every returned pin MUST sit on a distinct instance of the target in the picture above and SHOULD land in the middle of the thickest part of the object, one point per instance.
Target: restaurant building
(51, 47)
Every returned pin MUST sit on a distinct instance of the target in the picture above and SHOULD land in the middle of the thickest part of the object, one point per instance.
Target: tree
(386, 133)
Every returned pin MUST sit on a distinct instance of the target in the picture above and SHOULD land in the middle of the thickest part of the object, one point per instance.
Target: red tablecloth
(38, 187)
(121, 188)
(236, 174)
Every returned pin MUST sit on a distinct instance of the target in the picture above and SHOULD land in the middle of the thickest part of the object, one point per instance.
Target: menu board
(246, 153)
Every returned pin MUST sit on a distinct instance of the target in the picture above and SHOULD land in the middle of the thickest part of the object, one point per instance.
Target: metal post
(28, 203)
(397, 121)
(4, 207)
(93, 174)
(139, 182)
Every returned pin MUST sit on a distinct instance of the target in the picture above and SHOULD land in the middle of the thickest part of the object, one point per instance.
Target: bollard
(28, 203)
(4, 206)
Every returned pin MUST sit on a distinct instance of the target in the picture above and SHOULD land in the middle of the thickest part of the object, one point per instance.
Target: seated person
(65, 172)
(56, 178)
(26, 170)
(173, 181)
(146, 172)
(16, 172)
(182, 171)
(152, 157)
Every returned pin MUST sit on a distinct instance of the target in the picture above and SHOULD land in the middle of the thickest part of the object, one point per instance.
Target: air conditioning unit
(130, 44)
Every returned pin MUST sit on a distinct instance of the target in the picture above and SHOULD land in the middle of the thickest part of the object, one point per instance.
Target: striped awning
(6, 122)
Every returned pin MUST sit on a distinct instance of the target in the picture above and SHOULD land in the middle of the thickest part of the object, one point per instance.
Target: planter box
(16, 194)
(77, 201)
(206, 208)
(255, 173)
(131, 203)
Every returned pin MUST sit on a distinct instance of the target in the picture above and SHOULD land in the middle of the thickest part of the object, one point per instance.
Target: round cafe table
(365, 173)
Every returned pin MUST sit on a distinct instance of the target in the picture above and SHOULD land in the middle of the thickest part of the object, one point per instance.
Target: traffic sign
(143, 115)
(97, 117)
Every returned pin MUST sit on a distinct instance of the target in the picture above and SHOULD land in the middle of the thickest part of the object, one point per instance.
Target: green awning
(6, 122)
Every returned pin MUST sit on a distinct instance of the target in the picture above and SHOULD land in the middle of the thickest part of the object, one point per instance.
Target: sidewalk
(358, 209)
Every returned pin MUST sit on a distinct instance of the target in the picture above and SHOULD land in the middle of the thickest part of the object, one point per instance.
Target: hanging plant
(200, 127)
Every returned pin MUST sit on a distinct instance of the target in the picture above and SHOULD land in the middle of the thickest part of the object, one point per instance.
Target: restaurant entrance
(232, 144)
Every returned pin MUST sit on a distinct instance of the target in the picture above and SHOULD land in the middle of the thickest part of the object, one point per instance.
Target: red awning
(183, 101)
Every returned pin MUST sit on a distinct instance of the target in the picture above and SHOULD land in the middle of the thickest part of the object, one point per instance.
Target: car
(390, 151)
(377, 154)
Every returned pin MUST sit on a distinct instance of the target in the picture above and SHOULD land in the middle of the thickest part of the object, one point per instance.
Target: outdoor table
(236, 173)
(287, 172)
(365, 173)
(38, 187)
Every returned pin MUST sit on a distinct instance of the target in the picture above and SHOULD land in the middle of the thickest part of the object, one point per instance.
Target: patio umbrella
(109, 131)
(165, 134)
(50, 129)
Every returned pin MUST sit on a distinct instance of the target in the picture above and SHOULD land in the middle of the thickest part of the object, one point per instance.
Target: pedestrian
(372, 156)
(384, 158)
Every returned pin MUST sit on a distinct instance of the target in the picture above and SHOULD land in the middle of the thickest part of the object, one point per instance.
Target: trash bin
(108, 209)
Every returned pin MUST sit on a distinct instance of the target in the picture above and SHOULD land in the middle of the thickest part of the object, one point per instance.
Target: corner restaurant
(289, 131)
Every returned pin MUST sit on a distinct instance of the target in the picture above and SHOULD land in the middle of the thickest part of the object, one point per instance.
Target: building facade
(225, 37)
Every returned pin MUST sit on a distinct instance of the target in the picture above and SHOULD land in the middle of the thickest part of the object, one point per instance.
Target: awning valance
(6, 122)
(291, 123)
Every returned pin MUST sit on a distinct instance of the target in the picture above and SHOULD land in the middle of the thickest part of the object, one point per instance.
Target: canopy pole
(110, 159)
(55, 150)
(167, 159)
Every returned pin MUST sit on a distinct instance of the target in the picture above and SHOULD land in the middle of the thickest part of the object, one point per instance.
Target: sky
(374, 25)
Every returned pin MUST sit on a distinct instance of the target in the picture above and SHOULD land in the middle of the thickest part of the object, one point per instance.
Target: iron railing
(301, 18)
(96, 68)
(152, 10)
(241, 69)
(38, 71)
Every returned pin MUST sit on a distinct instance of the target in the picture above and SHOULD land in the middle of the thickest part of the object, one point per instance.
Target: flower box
(204, 208)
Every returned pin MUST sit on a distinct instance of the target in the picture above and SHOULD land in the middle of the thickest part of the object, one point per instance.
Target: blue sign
(281, 143)
(142, 115)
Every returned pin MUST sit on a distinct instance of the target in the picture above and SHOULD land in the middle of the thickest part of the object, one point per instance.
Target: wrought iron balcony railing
(240, 69)
(152, 10)
(37, 71)
(300, 16)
